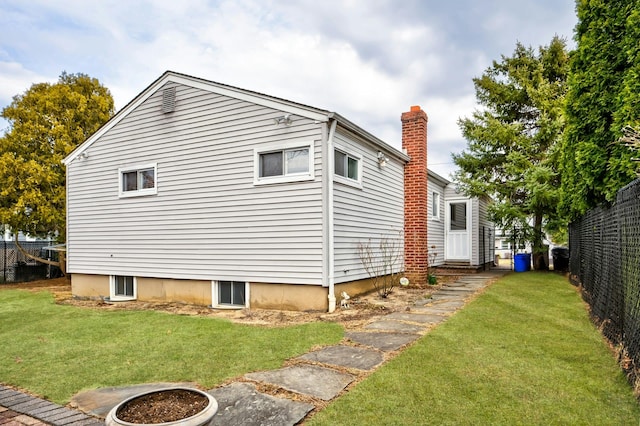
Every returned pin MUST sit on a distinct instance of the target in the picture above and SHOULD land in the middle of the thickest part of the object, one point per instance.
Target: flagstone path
(318, 376)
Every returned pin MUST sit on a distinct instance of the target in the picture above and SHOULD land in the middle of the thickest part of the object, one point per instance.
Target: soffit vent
(169, 100)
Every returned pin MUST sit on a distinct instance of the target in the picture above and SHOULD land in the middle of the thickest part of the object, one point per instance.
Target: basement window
(123, 288)
(230, 294)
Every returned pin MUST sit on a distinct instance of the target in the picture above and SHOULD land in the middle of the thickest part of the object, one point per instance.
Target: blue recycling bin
(522, 262)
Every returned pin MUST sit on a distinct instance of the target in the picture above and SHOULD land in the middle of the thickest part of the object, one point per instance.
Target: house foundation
(288, 297)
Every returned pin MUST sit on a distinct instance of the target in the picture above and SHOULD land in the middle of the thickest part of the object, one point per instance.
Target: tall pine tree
(513, 140)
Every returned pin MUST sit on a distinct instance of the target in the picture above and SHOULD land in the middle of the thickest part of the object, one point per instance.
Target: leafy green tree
(512, 151)
(46, 123)
(604, 83)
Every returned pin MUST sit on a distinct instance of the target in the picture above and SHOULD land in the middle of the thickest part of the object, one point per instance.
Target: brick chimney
(414, 141)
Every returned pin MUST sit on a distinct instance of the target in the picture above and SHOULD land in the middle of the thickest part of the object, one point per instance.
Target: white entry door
(457, 226)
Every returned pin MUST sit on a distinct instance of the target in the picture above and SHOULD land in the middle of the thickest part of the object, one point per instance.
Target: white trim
(112, 289)
(214, 296)
(328, 210)
(210, 86)
(139, 192)
(245, 95)
(282, 146)
(357, 183)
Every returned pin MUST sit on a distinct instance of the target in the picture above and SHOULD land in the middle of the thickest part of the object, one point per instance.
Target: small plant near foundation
(431, 256)
(383, 262)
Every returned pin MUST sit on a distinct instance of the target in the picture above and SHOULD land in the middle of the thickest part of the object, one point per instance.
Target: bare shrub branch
(383, 262)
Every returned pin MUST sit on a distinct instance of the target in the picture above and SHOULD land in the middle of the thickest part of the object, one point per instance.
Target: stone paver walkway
(17, 408)
(320, 375)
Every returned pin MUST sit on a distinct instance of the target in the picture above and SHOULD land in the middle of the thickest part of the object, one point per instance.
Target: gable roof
(283, 105)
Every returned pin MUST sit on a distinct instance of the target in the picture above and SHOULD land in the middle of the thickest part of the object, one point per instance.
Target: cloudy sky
(368, 60)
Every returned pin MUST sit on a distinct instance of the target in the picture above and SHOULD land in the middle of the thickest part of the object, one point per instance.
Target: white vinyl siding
(475, 232)
(208, 219)
(435, 228)
(480, 220)
(371, 211)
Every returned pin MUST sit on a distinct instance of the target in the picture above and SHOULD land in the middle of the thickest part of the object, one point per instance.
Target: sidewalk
(17, 408)
(310, 380)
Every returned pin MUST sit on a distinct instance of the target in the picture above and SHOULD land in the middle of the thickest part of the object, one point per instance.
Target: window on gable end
(138, 180)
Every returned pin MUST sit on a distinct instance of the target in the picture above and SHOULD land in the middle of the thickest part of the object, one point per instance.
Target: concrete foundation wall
(193, 292)
(354, 288)
(87, 286)
(289, 297)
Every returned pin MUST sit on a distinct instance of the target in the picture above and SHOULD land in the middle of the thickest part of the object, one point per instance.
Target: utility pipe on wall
(328, 178)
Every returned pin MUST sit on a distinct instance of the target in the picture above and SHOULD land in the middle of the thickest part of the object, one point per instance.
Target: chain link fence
(605, 261)
(15, 267)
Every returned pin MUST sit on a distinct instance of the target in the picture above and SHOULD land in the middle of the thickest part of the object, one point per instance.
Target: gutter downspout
(329, 216)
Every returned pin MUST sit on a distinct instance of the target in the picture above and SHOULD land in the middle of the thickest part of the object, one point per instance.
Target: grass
(524, 353)
(56, 351)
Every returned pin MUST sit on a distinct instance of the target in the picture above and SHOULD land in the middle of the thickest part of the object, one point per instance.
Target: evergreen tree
(604, 83)
(512, 151)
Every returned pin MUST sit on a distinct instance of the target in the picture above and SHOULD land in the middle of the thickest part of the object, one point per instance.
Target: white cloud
(367, 60)
(15, 79)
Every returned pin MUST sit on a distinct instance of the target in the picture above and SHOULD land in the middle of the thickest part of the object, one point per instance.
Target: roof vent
(169, 100)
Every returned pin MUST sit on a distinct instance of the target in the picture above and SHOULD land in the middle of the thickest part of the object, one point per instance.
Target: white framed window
(230, 294)
(289, 162)
(123, 287)
(138, 180)
(435, 205)
(347, 167)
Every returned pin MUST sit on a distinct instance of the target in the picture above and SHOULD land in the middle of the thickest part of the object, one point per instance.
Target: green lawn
(56, 351)
(523, 353)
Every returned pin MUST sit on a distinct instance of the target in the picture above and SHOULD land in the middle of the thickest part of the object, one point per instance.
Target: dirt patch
(162, 407)
(362, 309)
